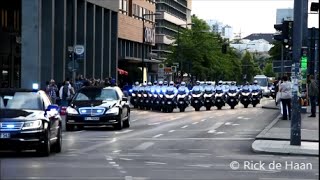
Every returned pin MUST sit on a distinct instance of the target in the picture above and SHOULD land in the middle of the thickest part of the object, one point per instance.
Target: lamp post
(178, 48)
(143, 38)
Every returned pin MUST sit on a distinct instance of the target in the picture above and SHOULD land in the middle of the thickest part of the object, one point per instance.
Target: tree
(199, 51)
(268, 70)
(249, 67)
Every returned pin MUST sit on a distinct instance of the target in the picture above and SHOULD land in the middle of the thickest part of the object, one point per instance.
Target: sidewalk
(275, 138)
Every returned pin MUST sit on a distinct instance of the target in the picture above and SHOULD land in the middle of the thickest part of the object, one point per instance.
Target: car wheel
(57, 147)
(45, 148)
(126, 124)
(119, 124)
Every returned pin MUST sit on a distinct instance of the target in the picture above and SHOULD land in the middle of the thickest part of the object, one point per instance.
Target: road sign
(78, 49)
(174, 68)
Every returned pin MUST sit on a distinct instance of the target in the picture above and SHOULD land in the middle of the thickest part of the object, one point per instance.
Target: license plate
(4, 135)
(92, 118)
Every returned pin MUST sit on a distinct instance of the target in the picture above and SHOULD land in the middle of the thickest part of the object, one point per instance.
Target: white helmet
(255, 82)
(171, 83)
(220, 82)
(183, 83)
(160, 83)
(136, 83)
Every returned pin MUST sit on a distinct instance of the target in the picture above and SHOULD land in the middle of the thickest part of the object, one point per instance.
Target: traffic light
(304, 63)
(285, 32)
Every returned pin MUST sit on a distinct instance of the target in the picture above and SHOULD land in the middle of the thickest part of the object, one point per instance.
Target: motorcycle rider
(183, 88)
(256, 87)
(171, 87)
(220, 86)
(136, 86)
(197, 86)
(246, 87)
(209, 86)
(233, 86)
(148, 87)
(164, 87)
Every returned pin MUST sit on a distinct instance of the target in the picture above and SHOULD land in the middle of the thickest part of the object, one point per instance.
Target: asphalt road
(192, 145)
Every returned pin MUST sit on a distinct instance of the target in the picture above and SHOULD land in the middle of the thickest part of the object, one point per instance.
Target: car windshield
(262, 82)
(96, 95)
(22, 100)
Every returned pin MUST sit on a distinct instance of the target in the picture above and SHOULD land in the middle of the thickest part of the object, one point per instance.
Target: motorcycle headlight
(254, 94)
(196, 95)
(139, 95)
(133, 94)
(207, 95)
(232, 94)
(161, 95)
(145, 95)
(155, 95)
(71, 110)
(181, 96)
(114, 110)
(169, 96)
(219, 95)
(32, 125)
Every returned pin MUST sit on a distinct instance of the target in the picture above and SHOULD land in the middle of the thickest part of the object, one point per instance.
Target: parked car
(28, 120)
(97, 106)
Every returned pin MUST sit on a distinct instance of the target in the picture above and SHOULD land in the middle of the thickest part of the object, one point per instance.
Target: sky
(249, 16)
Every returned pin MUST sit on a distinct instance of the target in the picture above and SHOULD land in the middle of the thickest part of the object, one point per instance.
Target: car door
(122, 103)
(54, 120)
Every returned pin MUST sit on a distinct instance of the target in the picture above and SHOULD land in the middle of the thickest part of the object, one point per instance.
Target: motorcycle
(208, 99)
(169, 101)
(156, 100)
(220, 99)
(183, 100)
(245, 98)
(143, 96)
(148, 100)
(255, 98)
(232, 98)
(273, 92)
(196, 99)
(134, 98)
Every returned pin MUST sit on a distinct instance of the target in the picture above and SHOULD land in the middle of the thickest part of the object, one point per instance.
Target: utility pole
(295, 136)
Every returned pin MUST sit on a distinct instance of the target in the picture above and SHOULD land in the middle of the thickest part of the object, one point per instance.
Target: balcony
(163, 39)
(168, 17)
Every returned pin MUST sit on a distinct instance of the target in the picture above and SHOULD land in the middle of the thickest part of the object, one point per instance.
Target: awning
(122, 72)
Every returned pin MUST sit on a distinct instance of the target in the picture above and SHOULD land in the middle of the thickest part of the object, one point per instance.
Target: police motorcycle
(134, 95)
(208, 96)
(155, 102)
(245, 95)
(196, 97)
(183, 97)
(142, 95)
(148, 100)
(220, 96)
(255, 94)
(170, 98)
(273, 92)
(232, 96)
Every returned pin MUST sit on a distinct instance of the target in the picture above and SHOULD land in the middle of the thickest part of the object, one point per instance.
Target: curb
(270, 107)
(256, 150)
(266, 129)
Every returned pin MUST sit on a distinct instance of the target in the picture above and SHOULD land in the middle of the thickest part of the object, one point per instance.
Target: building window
(123, 6)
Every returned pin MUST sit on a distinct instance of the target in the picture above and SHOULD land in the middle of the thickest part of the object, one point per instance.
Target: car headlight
(32, 124)
(71, 110)
(114, 110)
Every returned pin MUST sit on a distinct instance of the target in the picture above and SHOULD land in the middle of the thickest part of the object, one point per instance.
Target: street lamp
(178, 47)
(143, 38)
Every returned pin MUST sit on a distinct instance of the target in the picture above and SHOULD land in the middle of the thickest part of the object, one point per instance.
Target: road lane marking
(220, 132)
(123, 132)
(211, 117)
(128, 178)
(203, 120)
(94, 147)
(240, 117)
(228, 123)
(155, 163)
(144, 146)
(112, 162)
(116, 151)
(152, 124)
(171, 131)
(126, 159)
(195, 122)
(134, 120)
(156, 136)
(214, 127)
(183, 127)
(211, 131)
(235, 124)
(201, 165)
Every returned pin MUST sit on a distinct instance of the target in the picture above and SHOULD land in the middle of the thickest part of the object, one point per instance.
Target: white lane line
(211, 131)
(156, 136)
(155, 163)
(126, 159)
(144, 146)
(96, 146)
(127, 177)
(116, 151)
(116, 165)
(220, 132)
(203, 120)
(183, 127)
(214, 127)
(171, 131)
(112, 162)
(123, 132)
(152, 124)
(195, 122)
(134, 120)
(235, 124)
(211, 117)
(240, 117)
(201, 165)
(228, 123)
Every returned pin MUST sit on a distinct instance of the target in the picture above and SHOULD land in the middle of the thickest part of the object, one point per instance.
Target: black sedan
(28, 121)
(97, 106)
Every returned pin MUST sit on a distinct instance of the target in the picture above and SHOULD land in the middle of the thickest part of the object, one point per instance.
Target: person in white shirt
(285, 96)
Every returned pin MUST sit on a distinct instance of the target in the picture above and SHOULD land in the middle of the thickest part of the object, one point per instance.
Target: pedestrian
(52, 90)
(313, 93)
(285, 96)
(66, 92)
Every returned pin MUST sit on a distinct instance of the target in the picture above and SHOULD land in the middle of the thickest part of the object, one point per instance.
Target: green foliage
(268, 70)
(249, 67)
(199, 51)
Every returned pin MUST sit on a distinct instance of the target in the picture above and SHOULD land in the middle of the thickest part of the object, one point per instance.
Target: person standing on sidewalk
(285, 90)
(52, 90)
(313, 92)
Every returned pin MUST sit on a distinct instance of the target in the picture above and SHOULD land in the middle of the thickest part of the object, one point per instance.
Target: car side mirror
(124, 99)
